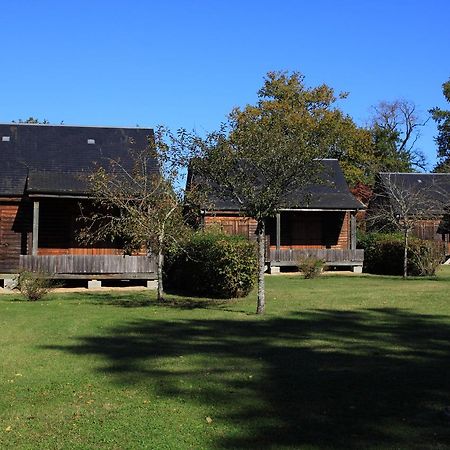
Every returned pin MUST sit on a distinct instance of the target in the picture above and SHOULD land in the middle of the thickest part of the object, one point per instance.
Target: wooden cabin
(319, 221)
(42, 188)
(431, 192)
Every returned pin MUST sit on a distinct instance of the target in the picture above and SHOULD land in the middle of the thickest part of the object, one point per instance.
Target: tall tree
(353, 147)
(138, 204)
(267, 151)
(395, 128)
(442, 118)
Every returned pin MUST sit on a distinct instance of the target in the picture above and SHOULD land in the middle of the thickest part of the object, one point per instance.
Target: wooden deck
(332, 257)
(88, 266)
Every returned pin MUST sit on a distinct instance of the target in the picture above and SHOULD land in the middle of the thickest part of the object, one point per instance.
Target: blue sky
(187, 63)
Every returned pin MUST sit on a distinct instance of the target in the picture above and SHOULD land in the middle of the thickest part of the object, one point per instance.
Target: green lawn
(339, 362)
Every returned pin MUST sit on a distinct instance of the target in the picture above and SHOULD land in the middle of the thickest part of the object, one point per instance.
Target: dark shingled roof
(48, 159)
(435, 187)
(333, 193)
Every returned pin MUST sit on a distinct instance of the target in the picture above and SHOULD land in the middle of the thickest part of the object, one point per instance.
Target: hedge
(383, 254)
(213, 264)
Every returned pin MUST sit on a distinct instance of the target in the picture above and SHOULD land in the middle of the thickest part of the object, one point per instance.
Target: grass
(337, 362)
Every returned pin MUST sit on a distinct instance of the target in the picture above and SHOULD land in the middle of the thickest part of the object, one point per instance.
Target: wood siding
(79, 251)
(11, 241)
(427, 229)
(233, 225)
(299, 230)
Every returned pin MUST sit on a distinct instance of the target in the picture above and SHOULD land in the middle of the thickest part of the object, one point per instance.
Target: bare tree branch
(399, 205)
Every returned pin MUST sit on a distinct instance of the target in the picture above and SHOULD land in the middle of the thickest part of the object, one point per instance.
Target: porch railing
(330, 256)
(87, 264)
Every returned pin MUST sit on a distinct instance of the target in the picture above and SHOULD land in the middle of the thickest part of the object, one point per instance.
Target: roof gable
(432, 188)
(52, 155)
(332, 194)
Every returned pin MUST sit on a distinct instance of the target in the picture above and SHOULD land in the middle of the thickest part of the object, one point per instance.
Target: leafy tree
(395, 130)
(33, 120)
(442, 118)
(138, 205)
(267, 151)
(353, 147)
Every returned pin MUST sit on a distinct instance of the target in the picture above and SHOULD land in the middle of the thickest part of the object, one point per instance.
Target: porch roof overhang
(43, 183)
(238, 211)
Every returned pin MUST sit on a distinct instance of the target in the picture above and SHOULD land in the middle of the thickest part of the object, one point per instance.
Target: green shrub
(213, 264)
(383, 255)
(426, 256)
(34, 286)
(311, 267)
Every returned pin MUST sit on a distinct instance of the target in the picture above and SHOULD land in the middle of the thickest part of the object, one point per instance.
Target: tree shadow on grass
(324, 378)
(140, 300)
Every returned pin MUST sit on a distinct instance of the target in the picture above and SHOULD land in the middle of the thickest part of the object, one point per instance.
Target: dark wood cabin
(42, 187)
(432, 194)
(317, 221)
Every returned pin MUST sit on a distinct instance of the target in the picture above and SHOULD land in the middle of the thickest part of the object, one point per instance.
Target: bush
(213, 264)
(426, 256)
(383, 255)
(311, 267)
(34, 286)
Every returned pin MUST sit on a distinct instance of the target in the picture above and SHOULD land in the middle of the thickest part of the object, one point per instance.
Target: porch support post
(353, 230)
(34, 247)
(278, 229)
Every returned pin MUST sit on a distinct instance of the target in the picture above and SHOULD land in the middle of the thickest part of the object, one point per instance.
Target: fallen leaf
(208, 420)
(8, 429)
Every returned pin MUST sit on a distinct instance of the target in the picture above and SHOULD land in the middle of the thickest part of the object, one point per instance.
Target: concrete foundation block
(152, 284)
(9, 283)
(274, 270)
(357, 269)
(94, 284)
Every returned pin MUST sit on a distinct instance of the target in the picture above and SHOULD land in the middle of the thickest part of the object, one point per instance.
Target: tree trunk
(159, 270)
(405, 255)
(261, 235)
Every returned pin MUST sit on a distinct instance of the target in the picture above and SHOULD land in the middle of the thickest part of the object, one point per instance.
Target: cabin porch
(40, 236)
(294, 234)
(326, 235)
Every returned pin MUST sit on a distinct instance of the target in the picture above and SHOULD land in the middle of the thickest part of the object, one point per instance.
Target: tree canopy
(395, 128)
(267, 151)
(442, 118)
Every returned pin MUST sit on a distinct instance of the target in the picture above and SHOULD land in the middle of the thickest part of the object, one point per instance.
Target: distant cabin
(42, 185)
(318, 220)
(433, 191)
